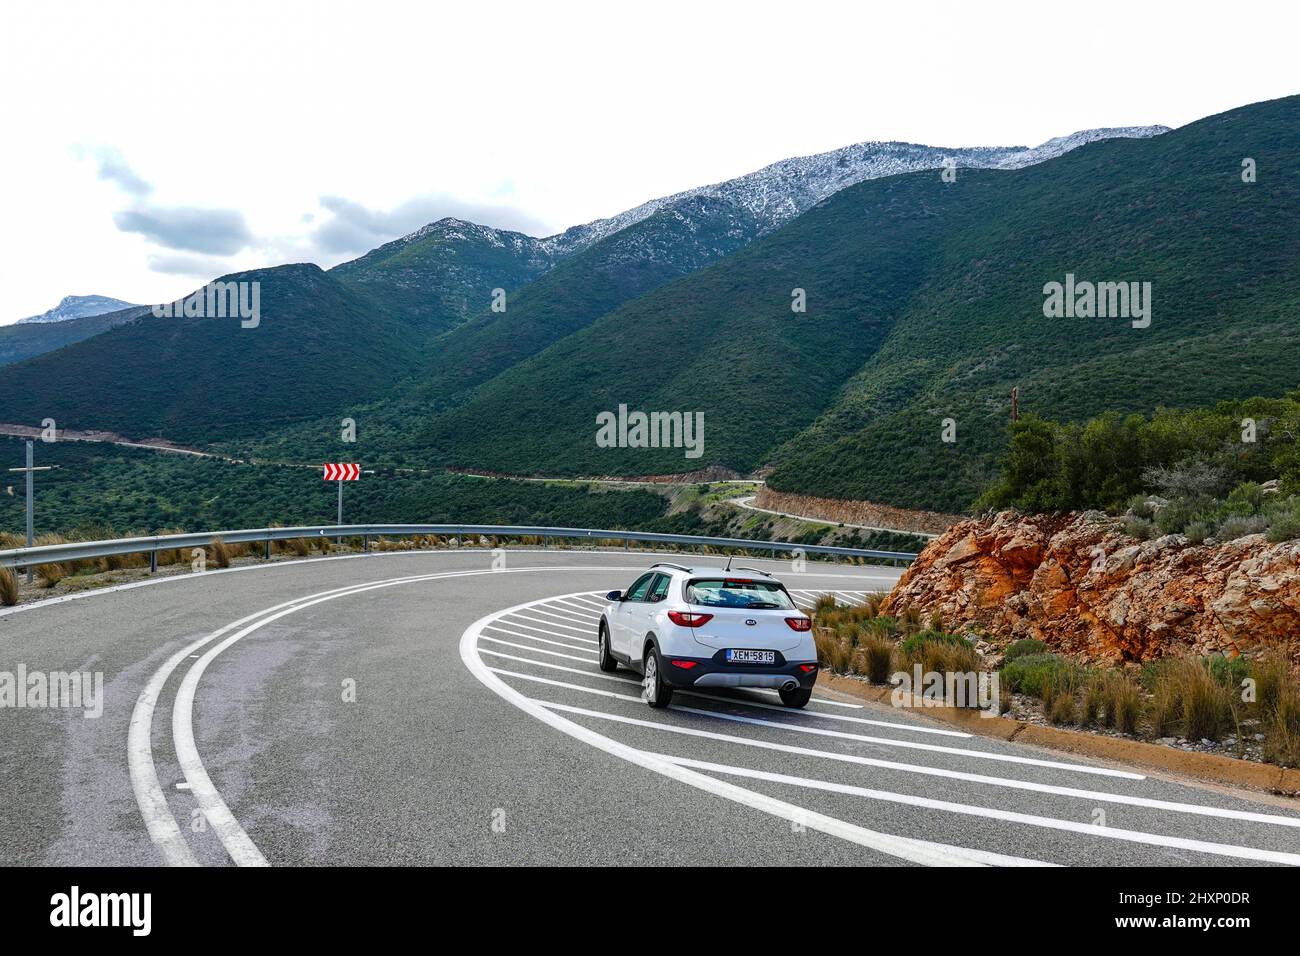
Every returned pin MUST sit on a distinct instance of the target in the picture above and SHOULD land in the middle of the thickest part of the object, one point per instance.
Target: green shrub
(1180, 512)
(1139, 506)
(1139, 528)
(1228, 671)
(1283, 520)
(1197, 532)
(1036, 674)
(1238, 526)
(912, 645)
(883, 626)
(1022, 647)
(1246, 499)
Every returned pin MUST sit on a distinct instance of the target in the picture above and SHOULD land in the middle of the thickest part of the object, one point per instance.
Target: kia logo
(751, 622)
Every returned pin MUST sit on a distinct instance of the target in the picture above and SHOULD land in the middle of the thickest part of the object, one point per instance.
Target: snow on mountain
(79, 306)
(785, 189)
(777, 193)
(1063, 144)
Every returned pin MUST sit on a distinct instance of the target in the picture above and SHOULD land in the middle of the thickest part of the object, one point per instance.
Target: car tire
(795, 698)
(607, 662)
(654, 690)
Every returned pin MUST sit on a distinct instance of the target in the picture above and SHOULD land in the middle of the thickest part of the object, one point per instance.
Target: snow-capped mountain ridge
(778, 192)
(1060, 145)
(784, 189)
(79, 306)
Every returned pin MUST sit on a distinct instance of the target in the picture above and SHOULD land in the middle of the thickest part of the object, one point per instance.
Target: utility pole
(31, 501)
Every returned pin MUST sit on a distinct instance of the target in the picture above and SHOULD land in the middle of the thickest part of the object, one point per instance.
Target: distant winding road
(418, 708)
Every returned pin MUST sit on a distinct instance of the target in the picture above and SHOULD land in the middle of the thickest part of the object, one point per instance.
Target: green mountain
(445, 272)
(318, 345)
(926, 302)
(24, 340)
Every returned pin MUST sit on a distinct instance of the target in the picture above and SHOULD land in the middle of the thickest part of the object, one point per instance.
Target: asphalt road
(430, 708)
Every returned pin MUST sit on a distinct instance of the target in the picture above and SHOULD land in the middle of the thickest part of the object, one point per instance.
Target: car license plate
(751, 657)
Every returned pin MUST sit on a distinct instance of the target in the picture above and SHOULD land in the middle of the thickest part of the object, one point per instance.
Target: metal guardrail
(83, 550)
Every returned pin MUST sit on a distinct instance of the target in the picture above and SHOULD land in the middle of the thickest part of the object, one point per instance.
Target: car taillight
(685, 665)
(799, 623)
(807, 668)
(689, 618)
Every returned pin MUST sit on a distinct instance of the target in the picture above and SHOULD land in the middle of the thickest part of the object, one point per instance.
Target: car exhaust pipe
(790, 685)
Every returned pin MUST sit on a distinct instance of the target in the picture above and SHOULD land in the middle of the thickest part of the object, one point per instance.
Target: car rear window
(737, 592)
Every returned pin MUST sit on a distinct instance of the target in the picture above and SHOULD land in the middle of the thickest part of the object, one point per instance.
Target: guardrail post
(267, 552)
(365, 542)
(153, 561)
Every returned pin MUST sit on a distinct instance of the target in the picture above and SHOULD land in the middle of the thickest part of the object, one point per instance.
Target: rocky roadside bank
(1084, 588)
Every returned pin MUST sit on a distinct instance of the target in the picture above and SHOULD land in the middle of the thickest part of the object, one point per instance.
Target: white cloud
(527, 116)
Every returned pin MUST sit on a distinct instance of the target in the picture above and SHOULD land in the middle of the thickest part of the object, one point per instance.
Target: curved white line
(159, 821)
(195, 576)
(917, 851)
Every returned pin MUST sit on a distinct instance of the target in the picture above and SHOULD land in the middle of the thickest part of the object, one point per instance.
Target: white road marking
(588, 621)
(516, 618)
(565, 613)
(535, 650)
(740, 702)
(559, 667)
(917, 851)
(150, 798)
(378, 555)
(820, 732)
(1007, 782)
(584, 603)
(1008, 816)
(817, 698)
(514, 621)
(543, 640)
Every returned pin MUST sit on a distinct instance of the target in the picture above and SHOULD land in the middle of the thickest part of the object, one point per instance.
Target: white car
(709, 627)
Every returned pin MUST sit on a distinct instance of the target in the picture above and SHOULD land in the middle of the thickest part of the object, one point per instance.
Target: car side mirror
(614, 596)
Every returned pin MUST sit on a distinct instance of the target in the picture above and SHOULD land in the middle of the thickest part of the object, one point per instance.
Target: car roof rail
(669, 564)
(766, 574)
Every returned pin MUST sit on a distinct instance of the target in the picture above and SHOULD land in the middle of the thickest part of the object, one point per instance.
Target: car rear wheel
(795, 698)
(607, 662)
(656, 693)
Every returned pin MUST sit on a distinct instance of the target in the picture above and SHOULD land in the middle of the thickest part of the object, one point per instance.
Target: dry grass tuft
(8, 587)
(48, 575)
(875, 658)
(219, 552)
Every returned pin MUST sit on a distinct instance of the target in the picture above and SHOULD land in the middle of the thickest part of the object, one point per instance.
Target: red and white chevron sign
(341, 471)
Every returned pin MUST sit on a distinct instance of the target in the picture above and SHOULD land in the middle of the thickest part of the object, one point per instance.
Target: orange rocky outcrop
(1082, 586)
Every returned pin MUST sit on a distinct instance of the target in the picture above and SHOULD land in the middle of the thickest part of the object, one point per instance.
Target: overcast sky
(152, 146)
